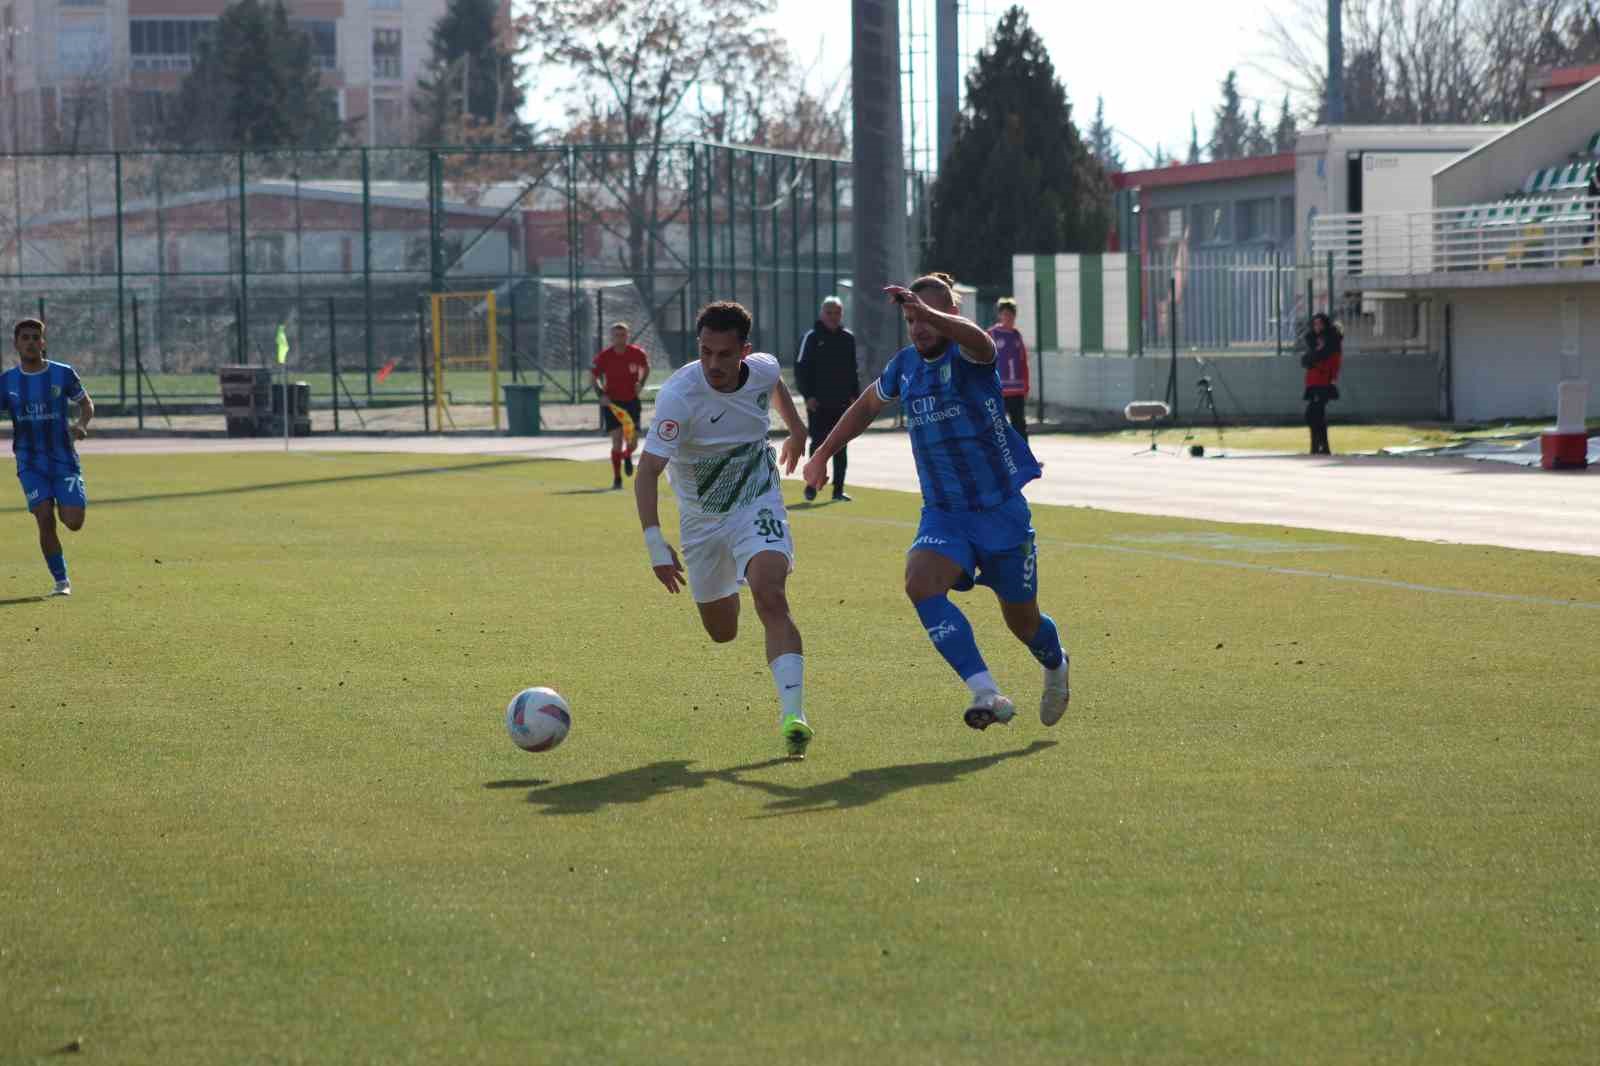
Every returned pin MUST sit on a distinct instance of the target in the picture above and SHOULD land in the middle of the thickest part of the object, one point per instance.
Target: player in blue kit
(38, 395)
(976, 528)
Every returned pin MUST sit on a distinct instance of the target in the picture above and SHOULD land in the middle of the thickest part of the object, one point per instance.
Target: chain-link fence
(154, 269)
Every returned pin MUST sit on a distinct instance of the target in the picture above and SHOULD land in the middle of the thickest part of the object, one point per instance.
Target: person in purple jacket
(1011, 359)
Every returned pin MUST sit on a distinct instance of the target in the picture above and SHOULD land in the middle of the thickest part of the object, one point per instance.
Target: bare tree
(83, 113)
(764, 98)
(637, 64)
(1422, 61)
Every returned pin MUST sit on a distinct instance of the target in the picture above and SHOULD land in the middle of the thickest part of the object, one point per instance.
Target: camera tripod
(1207, 402)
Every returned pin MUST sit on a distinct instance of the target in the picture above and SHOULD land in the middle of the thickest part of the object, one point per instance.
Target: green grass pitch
(257, 804)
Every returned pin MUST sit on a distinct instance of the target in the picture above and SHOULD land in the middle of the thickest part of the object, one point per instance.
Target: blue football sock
(951, 633)
(58, 566)
(1046, 643)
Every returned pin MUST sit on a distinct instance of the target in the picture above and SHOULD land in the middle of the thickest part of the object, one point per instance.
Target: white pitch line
(1264, 568)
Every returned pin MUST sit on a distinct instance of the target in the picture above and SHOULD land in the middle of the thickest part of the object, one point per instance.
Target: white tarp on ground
(1523, 451)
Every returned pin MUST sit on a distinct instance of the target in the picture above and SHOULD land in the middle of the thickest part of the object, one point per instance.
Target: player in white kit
(709, 432)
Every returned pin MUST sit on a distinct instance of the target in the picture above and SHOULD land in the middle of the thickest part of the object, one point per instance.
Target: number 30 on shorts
(769, 526)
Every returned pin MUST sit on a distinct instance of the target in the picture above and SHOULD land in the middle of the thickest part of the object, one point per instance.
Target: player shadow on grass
(858, 789)
(308, 482)
(862, 787)
(628, 786)
(21, 599)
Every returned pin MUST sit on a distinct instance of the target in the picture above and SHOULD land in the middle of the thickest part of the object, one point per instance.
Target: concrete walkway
(1452, 501)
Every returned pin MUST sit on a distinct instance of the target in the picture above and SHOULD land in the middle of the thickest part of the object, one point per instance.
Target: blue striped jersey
(968, 456)
(40, 406)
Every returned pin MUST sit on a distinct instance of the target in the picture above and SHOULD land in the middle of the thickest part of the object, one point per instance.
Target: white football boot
(989, 708)
(1057, 692)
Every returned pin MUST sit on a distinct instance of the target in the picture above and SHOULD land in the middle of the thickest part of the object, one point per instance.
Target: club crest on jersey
(944, 374)
(667, 429)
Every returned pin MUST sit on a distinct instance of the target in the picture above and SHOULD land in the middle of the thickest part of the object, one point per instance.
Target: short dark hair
(24, 323)
(1007, 303)
(722, 316)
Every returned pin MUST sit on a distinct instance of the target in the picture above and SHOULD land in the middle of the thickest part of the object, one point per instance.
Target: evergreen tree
(254, 84)
(1230, 133)
(473, 88)
(1102, 142)
(1258, 142)
(1285, 134)
(1194, 141)
(1019, 178)
(1160, 159)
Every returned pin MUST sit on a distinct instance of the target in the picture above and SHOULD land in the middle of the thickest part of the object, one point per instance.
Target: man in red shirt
(1011, 360)
(1323, 356)
(620, 371)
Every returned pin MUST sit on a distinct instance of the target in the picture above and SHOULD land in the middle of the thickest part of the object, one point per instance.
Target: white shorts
(718, 548)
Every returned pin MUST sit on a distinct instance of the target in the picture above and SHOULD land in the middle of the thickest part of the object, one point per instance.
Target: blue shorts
(66, 489)
(993, 548)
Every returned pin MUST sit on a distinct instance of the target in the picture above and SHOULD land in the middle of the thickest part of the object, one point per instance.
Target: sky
(1152, 72)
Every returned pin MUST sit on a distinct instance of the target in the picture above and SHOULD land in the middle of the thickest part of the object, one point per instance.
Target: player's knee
(771, 601)
(722, 633)
(73, 521)
(1022, 619)
(921, 586)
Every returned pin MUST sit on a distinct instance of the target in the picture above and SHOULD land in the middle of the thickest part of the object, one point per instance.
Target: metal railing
(1529, 233)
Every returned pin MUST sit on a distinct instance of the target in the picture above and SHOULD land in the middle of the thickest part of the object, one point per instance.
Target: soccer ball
(538, 719)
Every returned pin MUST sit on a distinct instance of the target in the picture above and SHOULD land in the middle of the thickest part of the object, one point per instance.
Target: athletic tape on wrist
(660, 554)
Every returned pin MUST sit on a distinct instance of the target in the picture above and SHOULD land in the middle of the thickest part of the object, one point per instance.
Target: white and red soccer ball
(538, 719)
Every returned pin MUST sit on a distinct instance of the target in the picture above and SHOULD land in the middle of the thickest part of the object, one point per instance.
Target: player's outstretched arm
(794, 446)
(646, 495)
(976, 344)
(851, 425)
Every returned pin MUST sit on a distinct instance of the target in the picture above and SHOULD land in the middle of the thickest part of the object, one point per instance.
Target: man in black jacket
(825, 374)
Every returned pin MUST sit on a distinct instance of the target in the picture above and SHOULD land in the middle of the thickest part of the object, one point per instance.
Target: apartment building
(94, 74)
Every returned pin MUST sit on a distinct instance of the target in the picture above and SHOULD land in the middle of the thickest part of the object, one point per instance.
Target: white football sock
(788, 674)
(982, 682)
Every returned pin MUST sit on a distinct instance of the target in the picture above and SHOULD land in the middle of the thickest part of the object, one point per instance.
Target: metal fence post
(333, 362)
(422, 359)
(816, 240)
(511, 296)
(138, 364)
(366, 260)
(573, 252)
(755, 244)
(733, 230)
(1277, 301)
(832, 181)
(694, 222)
(122, 334)
(244, 274)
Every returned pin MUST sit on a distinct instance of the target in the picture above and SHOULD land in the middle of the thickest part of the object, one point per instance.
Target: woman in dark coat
(1324, 354)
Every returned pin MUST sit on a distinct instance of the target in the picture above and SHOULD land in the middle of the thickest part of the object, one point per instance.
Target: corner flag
(283, 345)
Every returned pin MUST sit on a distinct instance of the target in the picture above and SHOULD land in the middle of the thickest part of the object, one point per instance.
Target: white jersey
(715, 443)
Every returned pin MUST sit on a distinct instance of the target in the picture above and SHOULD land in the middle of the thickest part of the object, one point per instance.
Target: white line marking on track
(1264, 568)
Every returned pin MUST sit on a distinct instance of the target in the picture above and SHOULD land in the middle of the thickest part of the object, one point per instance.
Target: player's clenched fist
(816, 472)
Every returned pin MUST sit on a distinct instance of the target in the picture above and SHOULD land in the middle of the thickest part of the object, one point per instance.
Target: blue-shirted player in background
(38, 395)
(976, 527)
